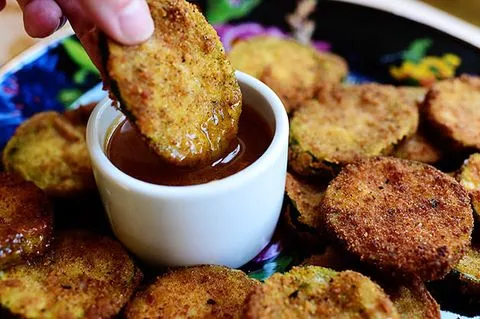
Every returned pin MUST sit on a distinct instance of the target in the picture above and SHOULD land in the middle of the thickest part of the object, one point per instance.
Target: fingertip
(42, 18)
(136, 23)
(127, 21)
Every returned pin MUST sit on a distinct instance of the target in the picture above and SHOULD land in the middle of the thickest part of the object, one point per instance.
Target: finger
(126, 21)
(3, 3)
(41, 17)
(78, 18)
(84, 29)
(90, 41)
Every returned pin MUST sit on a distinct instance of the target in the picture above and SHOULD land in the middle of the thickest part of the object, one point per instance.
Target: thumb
(127, 21)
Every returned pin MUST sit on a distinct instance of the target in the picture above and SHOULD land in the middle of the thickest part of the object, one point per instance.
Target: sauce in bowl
(129, 153)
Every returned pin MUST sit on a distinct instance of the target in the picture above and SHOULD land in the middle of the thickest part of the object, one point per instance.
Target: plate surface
(378, 45)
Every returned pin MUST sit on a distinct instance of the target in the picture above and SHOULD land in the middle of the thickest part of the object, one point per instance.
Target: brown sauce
(129, 153)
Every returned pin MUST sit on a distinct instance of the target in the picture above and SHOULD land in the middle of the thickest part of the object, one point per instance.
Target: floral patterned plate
(395, 41)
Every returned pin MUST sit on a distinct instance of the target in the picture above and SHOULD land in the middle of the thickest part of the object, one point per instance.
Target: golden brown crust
(315, 292)
(469, 178)
(401, 216)
(410, 296)
(305, 197)
(50, 151)
(412, 300)
(334, 258)
(178, 88)
(26, 221)
(291, 69)
(347, 123)
(195, 292)
(301, 214)
(467, 271)
(452, 107)
(84, 276)
(412, 95)
(419, 148)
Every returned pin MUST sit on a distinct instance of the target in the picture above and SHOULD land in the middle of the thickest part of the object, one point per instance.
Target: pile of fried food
(382, 191)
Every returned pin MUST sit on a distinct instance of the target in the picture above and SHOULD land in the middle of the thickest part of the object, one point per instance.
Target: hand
(126, 21)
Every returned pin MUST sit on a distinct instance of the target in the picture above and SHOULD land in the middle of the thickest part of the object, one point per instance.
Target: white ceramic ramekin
(225, 222)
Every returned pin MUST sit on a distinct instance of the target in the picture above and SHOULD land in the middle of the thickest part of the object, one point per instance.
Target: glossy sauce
(129, 153)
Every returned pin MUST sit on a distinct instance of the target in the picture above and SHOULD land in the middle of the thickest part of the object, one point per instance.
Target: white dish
(225, 222)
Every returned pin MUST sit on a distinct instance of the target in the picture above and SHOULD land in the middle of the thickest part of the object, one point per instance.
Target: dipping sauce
(129, 153)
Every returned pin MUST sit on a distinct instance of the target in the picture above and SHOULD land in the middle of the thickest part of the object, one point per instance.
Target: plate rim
(427, 15)
(31, 53)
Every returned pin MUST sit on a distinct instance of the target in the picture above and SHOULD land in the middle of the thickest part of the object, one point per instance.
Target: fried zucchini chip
(413, 95)
(293, 70)
(50, 151)
(402, 216)
(316, 292)
(302, 216)
(412, 300)
(348, 123)
(83, 276)
(469, 177)
(178, 88)
(453, 108)
(410, 297)
(419, 148)
(195, 292)
(26, 220)
(334, 258)
(467, 271)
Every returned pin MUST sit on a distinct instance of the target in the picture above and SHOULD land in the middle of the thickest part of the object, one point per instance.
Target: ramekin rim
(275, 149)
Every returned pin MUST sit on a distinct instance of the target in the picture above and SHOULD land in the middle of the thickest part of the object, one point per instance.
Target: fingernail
(63, 20)
(136, 24)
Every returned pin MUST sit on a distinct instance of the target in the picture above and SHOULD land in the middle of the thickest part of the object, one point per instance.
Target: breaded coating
(178, 88)
(469, 177)
(316, 292)
(468, 270)
(303, 216)
(26, 221)
(419, 148)
(413, 95)
(195, 292)
(293, 70)
(412, 299)
(51, 152)
(305, 197)
(410, 296)
(348, 123)
(402, 216)
(84, 276)
(334, 258)
(452, 107)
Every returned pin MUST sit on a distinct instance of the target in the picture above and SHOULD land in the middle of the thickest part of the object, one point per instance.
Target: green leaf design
(68, 96)
(221, 11)
(280, 264)
(80, 76)
(78, 54)
(417, 50)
